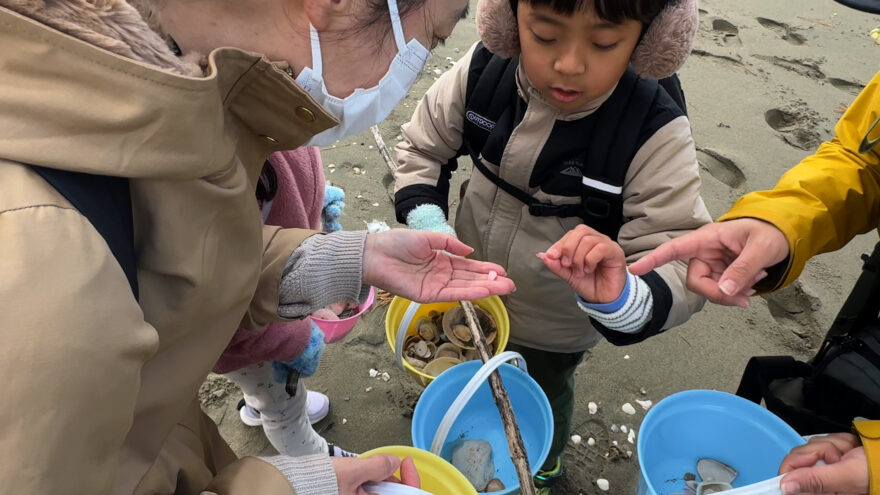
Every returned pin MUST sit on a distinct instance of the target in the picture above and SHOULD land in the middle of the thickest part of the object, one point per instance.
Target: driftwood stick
(383, 150)
(502, 401)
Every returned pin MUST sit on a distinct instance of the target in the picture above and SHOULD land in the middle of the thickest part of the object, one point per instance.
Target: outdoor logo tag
(480, 121)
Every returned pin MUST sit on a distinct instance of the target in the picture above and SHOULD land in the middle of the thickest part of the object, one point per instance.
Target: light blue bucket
(688, 426)
(479, 419)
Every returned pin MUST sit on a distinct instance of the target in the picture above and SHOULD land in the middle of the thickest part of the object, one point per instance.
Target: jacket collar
(66, 103)
(528, 92)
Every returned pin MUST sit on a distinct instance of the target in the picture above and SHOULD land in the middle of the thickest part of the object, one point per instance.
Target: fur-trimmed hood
(129, 29)
(664, 48)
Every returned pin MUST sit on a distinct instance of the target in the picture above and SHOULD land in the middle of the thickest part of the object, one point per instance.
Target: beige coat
(661, 201)
(103, 390)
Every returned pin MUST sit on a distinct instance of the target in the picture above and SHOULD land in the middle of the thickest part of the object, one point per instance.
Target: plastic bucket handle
(387, 488)
(401, 332)
(468, 392)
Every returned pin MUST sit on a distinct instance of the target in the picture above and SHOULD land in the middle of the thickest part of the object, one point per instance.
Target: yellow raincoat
(828, 198)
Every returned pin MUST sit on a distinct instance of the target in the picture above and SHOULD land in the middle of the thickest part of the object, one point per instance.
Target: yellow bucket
(437, 475)
(399, 305)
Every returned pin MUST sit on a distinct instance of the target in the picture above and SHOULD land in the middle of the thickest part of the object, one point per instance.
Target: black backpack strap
(861, 306)
(490, 93)
(106, 202)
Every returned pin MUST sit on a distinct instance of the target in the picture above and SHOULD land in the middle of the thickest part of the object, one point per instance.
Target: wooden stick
(380, 144)
(502, 401)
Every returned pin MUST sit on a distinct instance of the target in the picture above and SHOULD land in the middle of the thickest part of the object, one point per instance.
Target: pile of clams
(443, 340)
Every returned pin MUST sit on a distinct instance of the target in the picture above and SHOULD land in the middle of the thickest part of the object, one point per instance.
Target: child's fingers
(555, 266)
(603, 253)
(586, 246)
(566, 248)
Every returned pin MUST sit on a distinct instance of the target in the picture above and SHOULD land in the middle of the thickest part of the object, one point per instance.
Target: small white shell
(603, 484)
(646, 404)
(576, 439)
(591, 441)
(614, 428)
(629, 409)
(592, 407)
(631, 438)
(624, 429)
(374, 373)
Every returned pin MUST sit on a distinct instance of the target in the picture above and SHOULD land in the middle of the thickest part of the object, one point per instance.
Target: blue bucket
(687, 426)
(480, 420)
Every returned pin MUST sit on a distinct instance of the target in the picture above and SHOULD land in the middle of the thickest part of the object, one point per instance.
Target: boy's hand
(590, 262)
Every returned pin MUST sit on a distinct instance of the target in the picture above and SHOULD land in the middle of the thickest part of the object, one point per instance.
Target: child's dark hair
(267, 186)
(616, 11)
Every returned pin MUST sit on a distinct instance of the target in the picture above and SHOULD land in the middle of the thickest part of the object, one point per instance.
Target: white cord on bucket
(468, 392)
(408, 316)
(387, 488)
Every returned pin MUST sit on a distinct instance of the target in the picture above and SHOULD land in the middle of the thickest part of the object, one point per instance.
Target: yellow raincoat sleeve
(828, 198)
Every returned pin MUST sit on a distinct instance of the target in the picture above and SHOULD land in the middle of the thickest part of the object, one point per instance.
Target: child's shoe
(248, 414)
(335, 451)
(545, 480)
(317, 404)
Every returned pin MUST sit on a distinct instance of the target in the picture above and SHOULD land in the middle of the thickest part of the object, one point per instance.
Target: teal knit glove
(428, 217)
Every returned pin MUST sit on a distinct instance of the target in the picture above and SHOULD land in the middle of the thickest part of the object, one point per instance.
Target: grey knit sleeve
(323, 270)
(308, 475)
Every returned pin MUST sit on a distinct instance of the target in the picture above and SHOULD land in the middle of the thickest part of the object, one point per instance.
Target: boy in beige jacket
(573, 148)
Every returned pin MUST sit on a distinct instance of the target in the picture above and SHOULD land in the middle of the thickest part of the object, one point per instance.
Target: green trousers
(554, 372)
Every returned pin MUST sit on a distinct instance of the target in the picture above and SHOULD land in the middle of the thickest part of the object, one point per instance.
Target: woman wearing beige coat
(105, 384)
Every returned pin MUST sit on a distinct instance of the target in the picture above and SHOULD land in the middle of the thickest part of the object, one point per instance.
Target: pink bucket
(335, 330)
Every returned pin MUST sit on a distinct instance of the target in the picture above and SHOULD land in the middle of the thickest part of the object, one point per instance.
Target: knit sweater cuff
(627, 315)
(308, 475)
(323, 270)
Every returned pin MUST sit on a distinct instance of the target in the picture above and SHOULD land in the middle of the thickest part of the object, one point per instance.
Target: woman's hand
(726, 259)
(352, 473)
(845, 472)
(428, 267)
(592, 264)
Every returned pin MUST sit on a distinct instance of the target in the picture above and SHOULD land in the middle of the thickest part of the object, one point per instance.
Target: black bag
(842, 381)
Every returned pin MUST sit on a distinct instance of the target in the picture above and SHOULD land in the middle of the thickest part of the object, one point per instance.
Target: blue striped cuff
(613, 306)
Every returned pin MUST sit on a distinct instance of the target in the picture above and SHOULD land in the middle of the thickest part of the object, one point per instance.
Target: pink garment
(297, 204)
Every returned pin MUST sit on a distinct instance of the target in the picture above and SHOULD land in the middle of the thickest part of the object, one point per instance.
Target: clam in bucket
(460, 401)
(701, 424)
(438, 477)
(404, 315)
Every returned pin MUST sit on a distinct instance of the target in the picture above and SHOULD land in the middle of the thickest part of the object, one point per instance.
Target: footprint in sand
(796, 308)
(805, 68)
(584, 463)
(783, 30)
(795, 129)
(780, 120)
(727, 32)
(850, 87)
(722, 168)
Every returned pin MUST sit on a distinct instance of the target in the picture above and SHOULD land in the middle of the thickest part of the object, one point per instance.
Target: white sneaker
(249, 415)
(318, 406)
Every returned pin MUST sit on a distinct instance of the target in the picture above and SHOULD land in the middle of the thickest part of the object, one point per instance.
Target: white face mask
(365, 107)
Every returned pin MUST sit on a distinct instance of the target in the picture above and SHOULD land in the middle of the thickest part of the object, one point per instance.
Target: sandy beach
(765, 85)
